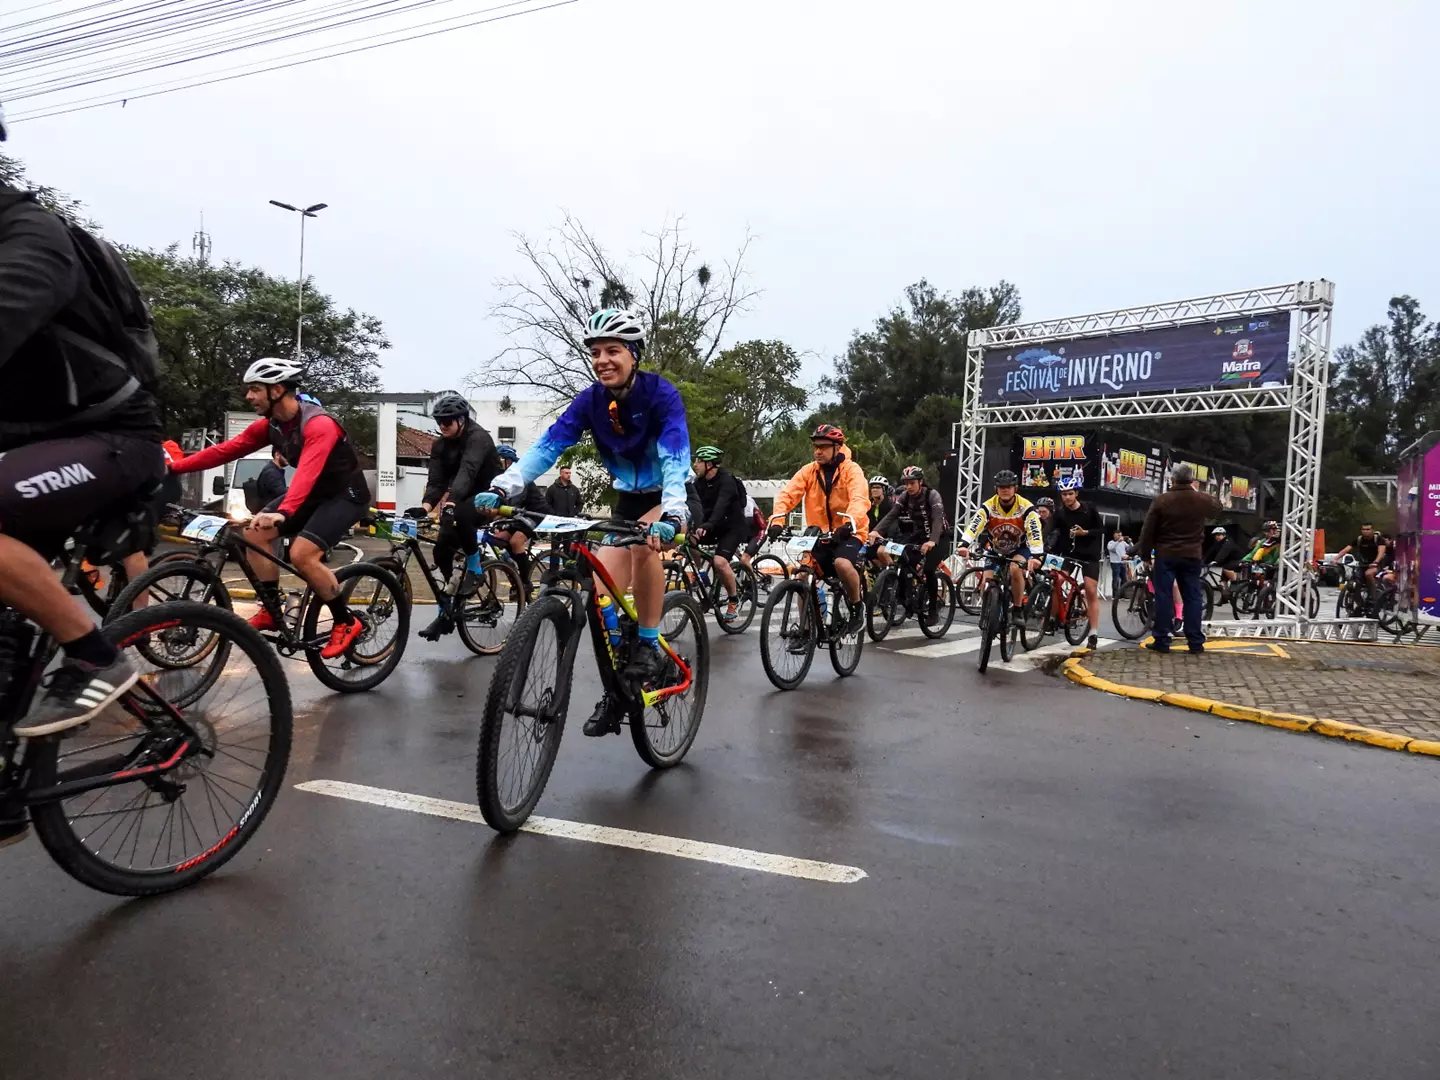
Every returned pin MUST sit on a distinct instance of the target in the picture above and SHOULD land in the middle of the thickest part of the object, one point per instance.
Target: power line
(279, 67)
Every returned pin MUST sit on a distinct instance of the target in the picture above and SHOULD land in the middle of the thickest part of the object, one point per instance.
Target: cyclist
(755, 529)
(1082, 535)
(881, 502)
(79, 436)
(925, 507)
(637, 421)
(517, 532)
(834, 493)
(722, 521)
(1050, 537)
(327, 495)
(463, 461)
(1013, 526)
(1225, 553)
(1266, 551)
(1370, 549)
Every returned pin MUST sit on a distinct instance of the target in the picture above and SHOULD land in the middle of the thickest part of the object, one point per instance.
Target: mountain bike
(901, 590)
(1056, 600)
(170, 782)
(529, 694)
(995, 621)
(302, 621)
(490, 596)
(803, 612)
(692, 569)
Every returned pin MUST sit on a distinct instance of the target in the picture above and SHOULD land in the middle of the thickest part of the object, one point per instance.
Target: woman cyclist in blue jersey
(637, 422)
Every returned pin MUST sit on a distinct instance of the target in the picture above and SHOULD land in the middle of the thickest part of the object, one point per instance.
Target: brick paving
(1391, 689)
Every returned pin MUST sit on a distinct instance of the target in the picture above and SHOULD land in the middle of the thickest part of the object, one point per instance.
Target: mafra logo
(1243, 349)
(33, 487)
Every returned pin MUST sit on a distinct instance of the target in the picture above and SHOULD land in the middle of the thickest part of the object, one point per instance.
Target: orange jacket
(849, 494)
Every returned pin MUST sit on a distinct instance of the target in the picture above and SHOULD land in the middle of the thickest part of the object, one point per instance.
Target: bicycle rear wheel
(769, 570)
(969, 590)
(664, 733)
(747, 593)
(1131, 610)
(1077, 619)
(788, 634)
(880, 613)
(1036, 613)
(175, 823)
(937, 624)
(375, 597)
(1008, 632)
(524, 715)
(488, 615)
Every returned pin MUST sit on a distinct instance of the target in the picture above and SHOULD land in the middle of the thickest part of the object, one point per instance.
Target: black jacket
(720, 501)
(877, 513)
(464, 466)
(926, 512)
(1087, 548)
(271, 483)
(563, 500)
(48, 384)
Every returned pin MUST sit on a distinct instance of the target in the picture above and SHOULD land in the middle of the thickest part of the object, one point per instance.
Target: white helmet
(619, 323)
(273, 370)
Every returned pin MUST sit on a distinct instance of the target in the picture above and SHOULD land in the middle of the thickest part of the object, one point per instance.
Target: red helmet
(829, 433)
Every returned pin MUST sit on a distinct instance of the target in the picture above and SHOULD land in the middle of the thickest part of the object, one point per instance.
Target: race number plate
(1054, 562)
(552, 524)
(204, 527)
(404, 527)
(803, 543)
(893, 548)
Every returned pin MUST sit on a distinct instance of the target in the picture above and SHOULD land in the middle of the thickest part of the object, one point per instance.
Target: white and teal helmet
(619, 324)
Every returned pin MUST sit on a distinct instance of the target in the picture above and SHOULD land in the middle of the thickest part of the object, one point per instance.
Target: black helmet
(1045, 502)
(911, 472)
(449, 406)
(1007, 478)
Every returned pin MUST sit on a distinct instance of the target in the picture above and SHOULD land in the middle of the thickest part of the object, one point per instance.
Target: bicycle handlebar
(639, 531)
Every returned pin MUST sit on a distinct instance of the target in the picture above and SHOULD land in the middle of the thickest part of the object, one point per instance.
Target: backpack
(118, 311)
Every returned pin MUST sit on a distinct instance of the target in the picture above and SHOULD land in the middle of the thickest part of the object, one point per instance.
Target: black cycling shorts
(505, 526)
(729, 539)
(324, 522)
(49, 489)
(826, 554)
(633, 505)
(1090, 568)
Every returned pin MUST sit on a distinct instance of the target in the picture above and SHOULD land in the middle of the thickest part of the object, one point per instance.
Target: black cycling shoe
(645, 664)
(441, 626)
(605, 720)
(856, 622)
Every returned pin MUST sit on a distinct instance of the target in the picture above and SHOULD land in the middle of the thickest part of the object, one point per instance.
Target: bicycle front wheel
(769, 570)
(665, 731)
(989, 624)
(970, 589)
(788, 634)
(488, 615)
(880, 612)
(1034, 616)
(845, 647)
(1008, 632)
(208, 755)
(524, 715)
(1130, 610)
(1077, 619)
(747, 593)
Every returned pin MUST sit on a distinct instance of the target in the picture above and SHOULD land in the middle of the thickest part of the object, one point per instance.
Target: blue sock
(650, 635)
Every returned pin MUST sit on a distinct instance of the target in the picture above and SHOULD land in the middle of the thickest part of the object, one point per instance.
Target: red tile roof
(412, 443)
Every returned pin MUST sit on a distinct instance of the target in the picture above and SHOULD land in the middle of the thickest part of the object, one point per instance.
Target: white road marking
(943, 648)
(1059, 648)
(743, 858)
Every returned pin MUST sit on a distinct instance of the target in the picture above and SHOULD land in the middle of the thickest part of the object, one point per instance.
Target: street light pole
(305, 212)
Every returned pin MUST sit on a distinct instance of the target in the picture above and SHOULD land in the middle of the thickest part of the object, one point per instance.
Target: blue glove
(663, 530)
(487, 500)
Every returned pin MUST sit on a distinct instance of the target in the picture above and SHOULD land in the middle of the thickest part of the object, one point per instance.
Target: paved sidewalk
(1396, 690)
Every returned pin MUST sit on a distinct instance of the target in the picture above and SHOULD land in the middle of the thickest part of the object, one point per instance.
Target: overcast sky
(1097, 154)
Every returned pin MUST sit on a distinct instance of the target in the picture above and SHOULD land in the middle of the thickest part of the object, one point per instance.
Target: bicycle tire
(747, 592)
(1035, 616)
(642, 730)
(396, 567)
(1008, 634)
(791, 596)
(880, 612)
(56, 829)
(377, 663)
(969, 592)
(1208, 591)
(1077, 619)
(989, 620)
(512, 675)
(845, 649)
(1128, 611)
(198, 573)
(488, 594)
(944, 608)
(764, 580)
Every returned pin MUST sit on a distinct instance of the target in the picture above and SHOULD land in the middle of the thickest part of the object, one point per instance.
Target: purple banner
(1428, 586)
(1249, 351)
(1429, 492)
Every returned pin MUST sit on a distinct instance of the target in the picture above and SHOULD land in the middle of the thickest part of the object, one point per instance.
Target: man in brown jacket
(1171, 541)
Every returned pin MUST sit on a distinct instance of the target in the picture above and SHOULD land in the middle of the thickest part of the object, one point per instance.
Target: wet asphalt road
(1060, 884)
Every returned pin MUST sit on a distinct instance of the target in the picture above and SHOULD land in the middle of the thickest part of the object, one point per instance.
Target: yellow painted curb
(1077, 672)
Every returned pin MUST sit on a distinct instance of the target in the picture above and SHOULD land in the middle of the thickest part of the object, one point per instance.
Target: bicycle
(900, 591)
(531, 685)
(995, 609)
(486, 617)
(802, 613)
(108, 800)
(1052, 604)
(688, 572)
(302, 623)
(969, 587)
(768, 569)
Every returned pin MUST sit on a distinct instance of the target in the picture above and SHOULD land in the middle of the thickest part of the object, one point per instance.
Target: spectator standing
(563, 497)
(1118, 551)
(271, 483)
(1174, 531)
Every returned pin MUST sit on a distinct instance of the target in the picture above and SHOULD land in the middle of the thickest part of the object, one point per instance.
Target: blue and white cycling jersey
(644, 443)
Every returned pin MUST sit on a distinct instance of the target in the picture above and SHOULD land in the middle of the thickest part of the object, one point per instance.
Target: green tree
(1387, 384)
(905, 376)
(12, 172)
(741, 396)
(213, 321)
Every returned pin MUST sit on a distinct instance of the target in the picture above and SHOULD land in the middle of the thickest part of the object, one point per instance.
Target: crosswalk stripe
(1059, 648)
(943, 648)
